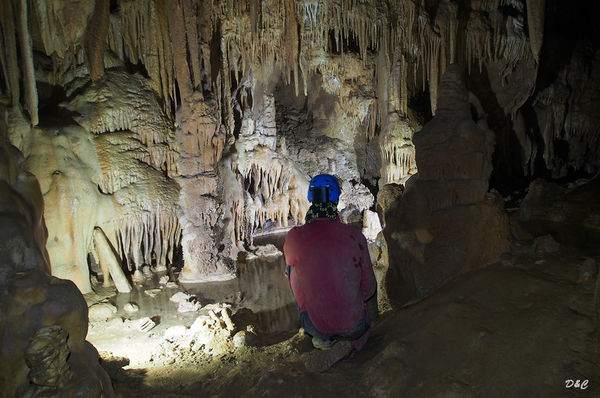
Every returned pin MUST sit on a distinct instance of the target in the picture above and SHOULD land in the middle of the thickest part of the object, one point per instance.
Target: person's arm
(289, 252)
(368, 284)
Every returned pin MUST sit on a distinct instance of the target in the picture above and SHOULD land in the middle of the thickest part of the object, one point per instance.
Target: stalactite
(382, 75)
(399, 161)
(178, 39)
(27, 62)
(479, 39)
(447, 24)
(434, 71)
(274, 197)
(10, 61)
(452, 29)
(145, 39)
(535, 19)
(95, 37)
(166, 72)
(191, 29)
(114, 37)
(151, 235)
(404, 85)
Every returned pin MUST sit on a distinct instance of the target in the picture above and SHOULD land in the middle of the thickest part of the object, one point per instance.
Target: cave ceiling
(200, 122)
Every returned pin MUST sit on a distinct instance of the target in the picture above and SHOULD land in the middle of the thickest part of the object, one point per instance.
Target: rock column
(446, 221)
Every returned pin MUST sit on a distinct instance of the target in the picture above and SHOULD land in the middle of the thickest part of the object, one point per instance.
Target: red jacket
(331, 273)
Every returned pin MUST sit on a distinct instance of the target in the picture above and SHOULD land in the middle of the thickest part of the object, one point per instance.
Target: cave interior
(156, 152)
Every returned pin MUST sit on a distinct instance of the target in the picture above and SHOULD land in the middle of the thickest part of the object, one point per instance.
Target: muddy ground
(522, 327)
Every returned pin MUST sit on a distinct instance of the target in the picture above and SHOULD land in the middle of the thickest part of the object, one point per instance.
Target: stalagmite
(109, 262)
(27, 62)
(95, 38)
(535, 20)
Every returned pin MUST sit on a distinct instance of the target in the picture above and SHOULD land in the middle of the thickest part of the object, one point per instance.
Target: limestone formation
(108, 262)
(263, 185)
(134, 148)
(150, 135)
(95, 38)
(535, 17)
(43, 319)
(381, 264)
(570, 215)
(200, 139)
(437, 228)
(398, 152)
(176, 91)
(65, 164)
(23, 233)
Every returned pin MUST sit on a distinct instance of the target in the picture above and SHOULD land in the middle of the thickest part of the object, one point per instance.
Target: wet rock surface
(515, 328)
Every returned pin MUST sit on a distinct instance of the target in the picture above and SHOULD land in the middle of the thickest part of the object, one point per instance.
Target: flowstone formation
(66, 166)
(398, 151)
(43, 319)
(134, 142)
(263, 184)
(446, 221)
(109, 169)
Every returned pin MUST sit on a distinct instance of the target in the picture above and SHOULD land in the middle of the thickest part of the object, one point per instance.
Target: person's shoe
(322, 344)
(320, 361)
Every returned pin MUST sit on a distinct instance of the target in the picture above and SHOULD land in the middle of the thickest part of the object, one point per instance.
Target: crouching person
(331, 276)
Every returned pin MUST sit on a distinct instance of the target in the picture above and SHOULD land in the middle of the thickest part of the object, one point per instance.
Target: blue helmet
(325, 188)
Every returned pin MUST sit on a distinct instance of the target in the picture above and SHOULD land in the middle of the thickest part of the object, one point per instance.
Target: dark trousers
(352, 334)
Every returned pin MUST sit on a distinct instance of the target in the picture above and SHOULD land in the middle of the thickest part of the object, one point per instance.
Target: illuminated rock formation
(65, 163)
(261, 182)
(110, 171)
(43, 319)
(191, 106)
(398, 152)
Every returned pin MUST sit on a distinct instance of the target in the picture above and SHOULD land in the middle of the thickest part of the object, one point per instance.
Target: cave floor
(519, 328)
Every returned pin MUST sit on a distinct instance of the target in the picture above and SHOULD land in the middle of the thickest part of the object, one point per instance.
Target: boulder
(43, 350)
(570, 215)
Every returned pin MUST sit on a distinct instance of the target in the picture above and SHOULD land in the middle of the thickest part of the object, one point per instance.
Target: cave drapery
(166, 123)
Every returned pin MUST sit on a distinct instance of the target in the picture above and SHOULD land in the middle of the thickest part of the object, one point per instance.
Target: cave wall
(167, 123)
(43, 319)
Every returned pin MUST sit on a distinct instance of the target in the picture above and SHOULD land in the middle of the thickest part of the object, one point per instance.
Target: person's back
(331, 276)
(329, 261)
